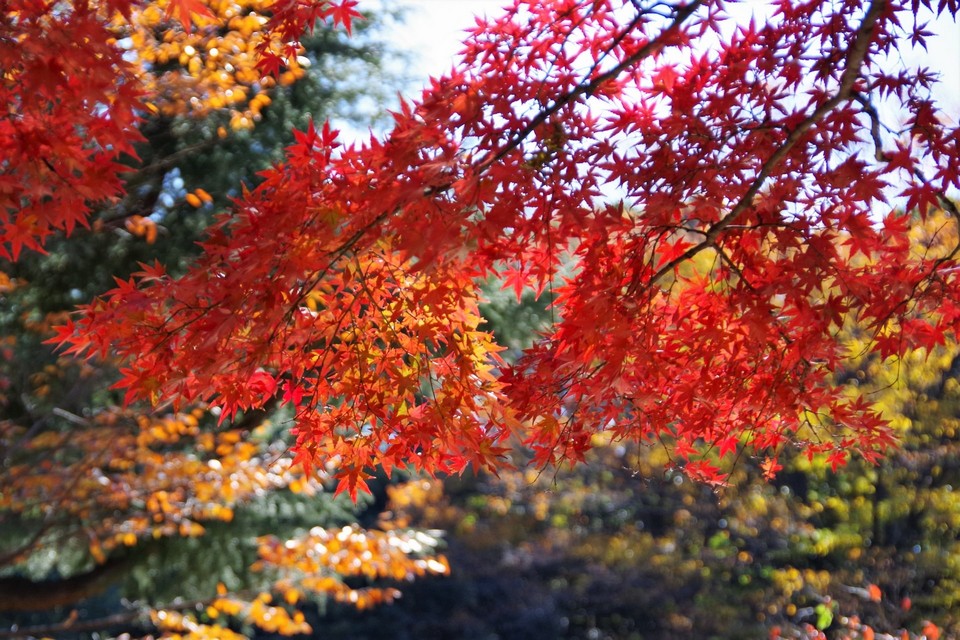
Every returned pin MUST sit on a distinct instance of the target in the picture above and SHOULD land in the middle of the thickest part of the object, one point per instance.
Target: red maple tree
(708, 201)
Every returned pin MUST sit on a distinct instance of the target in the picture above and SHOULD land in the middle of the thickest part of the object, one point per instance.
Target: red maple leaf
(184, 10)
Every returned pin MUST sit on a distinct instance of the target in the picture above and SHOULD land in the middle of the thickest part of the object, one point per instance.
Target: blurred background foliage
(618, 548)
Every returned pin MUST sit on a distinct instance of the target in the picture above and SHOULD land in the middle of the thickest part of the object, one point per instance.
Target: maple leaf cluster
(75, 95)
(707, 200)
(71, 114)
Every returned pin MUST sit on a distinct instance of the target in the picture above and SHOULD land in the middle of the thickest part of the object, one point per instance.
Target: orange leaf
(150, 230)
(931, 631)
(770, 468)
(97, 552)
(185, 9)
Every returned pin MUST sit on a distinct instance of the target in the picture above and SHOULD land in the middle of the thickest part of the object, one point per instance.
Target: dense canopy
(705, 199)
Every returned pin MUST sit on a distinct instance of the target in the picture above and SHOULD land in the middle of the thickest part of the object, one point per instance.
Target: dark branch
(855, 57)
(589, 88)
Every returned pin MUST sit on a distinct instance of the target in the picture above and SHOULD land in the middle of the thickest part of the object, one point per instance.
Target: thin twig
(855, 57)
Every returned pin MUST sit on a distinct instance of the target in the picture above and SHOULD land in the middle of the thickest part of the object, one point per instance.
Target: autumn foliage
(89, 489)
(213, 65)
(75, 97)
(706, 199)
(710, 204)
(71, 112)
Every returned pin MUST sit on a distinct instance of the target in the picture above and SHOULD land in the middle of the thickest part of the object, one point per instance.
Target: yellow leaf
(97, 552)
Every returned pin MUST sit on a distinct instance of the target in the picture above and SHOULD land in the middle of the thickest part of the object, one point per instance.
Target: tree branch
(855, 57)
(883, 156)
(589, 88)
(70, 625)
